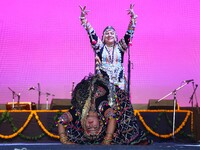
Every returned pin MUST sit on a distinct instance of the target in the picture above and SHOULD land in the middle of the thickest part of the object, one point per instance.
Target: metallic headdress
(83, 95)
(109, 28)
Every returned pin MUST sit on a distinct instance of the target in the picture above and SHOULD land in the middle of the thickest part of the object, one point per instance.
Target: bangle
(64, 139)
(62, 133)
(108, 136)
(106, 142)
(82, 18)
(61, 136)
(107, 139)
(109, 133)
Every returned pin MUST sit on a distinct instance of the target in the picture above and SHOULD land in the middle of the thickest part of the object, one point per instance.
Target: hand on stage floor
(64, 140)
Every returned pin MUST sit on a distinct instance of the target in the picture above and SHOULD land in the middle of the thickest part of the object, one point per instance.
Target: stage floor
(59, 146)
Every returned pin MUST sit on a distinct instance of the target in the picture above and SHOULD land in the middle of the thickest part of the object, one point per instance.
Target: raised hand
(131, 11)
(84, 12)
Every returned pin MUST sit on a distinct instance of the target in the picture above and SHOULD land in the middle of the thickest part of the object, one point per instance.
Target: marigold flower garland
(43, 128)
(27, 122)
(19, 131)
(136, 112)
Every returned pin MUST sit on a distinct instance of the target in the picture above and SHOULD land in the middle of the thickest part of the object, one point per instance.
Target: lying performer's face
(92, 124)
(109, 36)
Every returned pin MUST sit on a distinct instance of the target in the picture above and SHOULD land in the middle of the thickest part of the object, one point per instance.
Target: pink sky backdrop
(42, 41)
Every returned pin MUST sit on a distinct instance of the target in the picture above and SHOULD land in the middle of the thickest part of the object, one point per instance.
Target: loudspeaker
(58, 104)
(163, 104)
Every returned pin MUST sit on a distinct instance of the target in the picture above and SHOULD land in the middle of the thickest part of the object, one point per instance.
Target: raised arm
(133, 18)
(94, 39)
(127, 39)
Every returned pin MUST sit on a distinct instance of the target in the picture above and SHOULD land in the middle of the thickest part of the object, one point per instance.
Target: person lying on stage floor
(109, 51)
(92, 121)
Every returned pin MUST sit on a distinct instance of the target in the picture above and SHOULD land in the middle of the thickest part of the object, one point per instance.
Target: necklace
(111, 57)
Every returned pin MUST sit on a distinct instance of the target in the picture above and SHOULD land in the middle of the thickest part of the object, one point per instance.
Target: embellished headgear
(84, 90)
(83, 95)
(109, 28)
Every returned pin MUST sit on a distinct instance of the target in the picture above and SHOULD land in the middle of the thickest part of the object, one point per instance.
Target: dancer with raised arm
(110, 51)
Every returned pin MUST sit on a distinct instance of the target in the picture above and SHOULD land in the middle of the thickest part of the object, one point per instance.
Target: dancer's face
(92, 125)
(109, 37)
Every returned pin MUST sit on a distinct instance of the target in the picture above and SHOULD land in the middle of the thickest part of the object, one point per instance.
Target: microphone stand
(196, 96)
(175, 102)
(191, 97)
(13, 97)
(72, 89)
(18, 101)
(39, 95)
(47, 101)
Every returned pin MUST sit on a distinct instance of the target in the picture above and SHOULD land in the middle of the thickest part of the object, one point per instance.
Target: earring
(103, 39)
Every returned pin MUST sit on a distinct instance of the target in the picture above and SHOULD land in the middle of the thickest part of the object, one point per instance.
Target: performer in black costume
(91, 120)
